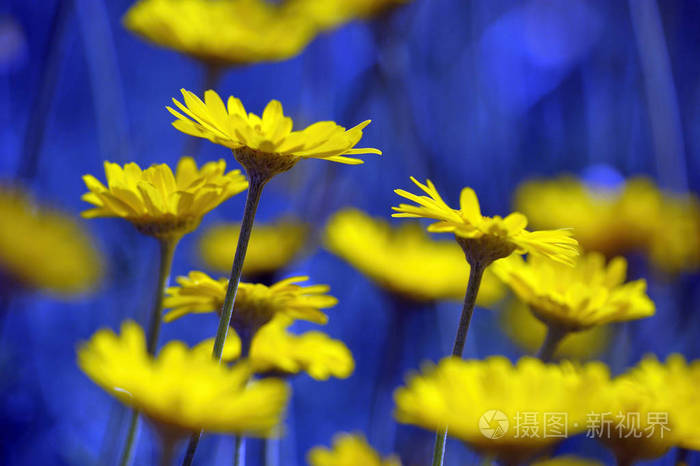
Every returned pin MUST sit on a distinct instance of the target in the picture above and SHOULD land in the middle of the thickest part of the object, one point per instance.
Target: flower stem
(239, 451)
(167, 251)
(551, 342)
(251, 206)
(475, 275)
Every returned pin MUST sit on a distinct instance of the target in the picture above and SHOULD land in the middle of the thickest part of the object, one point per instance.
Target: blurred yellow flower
(485, 239)
(496, 407)
(265, 145)
(636, 217)
(528, 332)
(567, 460)
(159, 203)
(272, 246)
(222, 32)
(275, 351)
(330, 14)
(349, 450)
(652, 408)
(255, 305)
(44, 249)
(179, 389)
(393, 256)
(576, 298)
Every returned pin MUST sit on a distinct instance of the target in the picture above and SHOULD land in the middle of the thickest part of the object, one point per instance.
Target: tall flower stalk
(265, 146)
(483, 240)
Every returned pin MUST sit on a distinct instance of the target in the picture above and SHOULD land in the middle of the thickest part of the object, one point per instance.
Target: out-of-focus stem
(551, 343)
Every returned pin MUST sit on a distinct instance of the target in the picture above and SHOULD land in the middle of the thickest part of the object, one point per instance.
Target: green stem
(551, 342)
(239, 451)
(475, 275)
(167, 251)
(251, 206)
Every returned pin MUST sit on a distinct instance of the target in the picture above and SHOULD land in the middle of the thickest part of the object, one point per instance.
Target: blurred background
(480, 93)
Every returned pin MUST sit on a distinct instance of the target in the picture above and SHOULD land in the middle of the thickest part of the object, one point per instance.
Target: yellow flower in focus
(44, 249)
(159, 203)
(179, 390)
(655, 406)
(528, 332)
(636, 217)
(567, 460)
(484, 403)
(275, 351)
(576, 298)
(272, 246)
(330, 14)
(255, 304)
(485, 239)
(222, 32)
(405, 260)
(349, 450)
(265, 145)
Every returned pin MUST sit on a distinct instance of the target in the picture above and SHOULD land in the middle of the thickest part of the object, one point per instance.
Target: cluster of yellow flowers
(636, 216)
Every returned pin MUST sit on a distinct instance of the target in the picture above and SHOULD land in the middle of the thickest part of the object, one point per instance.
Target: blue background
(484, 93)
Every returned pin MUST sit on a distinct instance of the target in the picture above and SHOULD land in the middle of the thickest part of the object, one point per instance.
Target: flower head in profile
(391, 257)
(330, 14)
(485, 239)
(577, 298)
(664, 401)
(44, 249)
(276, 351)
(266, 145)
(158, 202)
(179, 390)
(224, 32)
(349, 450)
(272, 246)
(256, 304)
(478, 400)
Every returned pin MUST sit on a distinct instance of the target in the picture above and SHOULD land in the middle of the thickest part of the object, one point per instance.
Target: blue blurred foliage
(484, 93)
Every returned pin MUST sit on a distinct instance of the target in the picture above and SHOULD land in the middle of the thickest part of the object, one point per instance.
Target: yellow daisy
(485, 239)
(44, 249)
(567, 460)
(652, 408)
(255, 305)
(222, 32)
(576, 298)
(272, 246)
(507, 411)
(265, 145)
(276, 351)
(349, 450)
(159, 203)
(392, 256)
(528, 332)
(330, 14)
(179, 390)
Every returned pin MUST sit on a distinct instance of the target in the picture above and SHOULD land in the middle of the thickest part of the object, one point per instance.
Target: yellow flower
(255, 305)
(528, 332)
(330, 14)
(654, 407)
(567, 460)
(404, 260)
(159, 203)
(349, 450)
(223, 32)
(272, 246)
(179, 390)
(485, 239)
(635, 217)
(489, 404)
(265, 145)
(44, 249)
(576, 298)
(275, 351)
